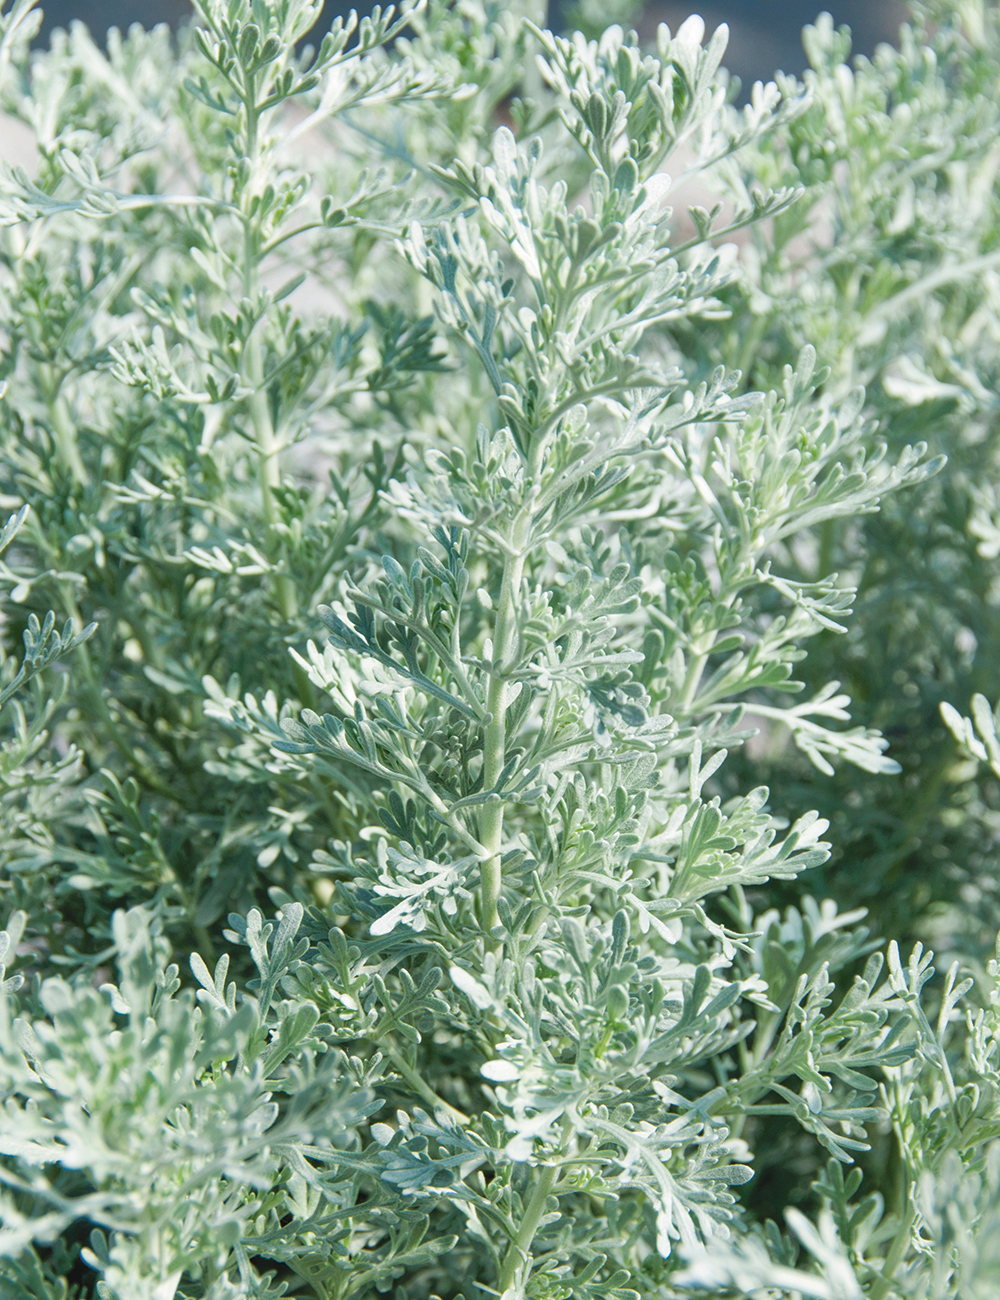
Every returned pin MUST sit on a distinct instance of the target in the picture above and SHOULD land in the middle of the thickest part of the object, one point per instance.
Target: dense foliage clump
(447, 468)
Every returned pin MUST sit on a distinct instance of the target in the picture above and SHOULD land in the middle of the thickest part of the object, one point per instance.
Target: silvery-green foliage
(36, 781)
(888, 266)
(379, 411)
(165, 1123)
(138, 326)
(977, 735)
(939, 1238)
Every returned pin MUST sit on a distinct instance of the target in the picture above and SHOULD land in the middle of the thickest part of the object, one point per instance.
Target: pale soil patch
(17, 144)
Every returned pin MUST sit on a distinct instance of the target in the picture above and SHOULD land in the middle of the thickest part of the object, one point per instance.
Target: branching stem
(495, 738)
(519, 1250)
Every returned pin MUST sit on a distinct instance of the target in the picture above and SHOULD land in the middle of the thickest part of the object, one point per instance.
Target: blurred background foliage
(764, 33)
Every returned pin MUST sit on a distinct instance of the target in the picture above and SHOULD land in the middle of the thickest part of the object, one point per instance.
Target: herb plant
(440, 530)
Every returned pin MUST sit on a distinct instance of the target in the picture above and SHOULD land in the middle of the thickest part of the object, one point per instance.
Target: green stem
(268, 448)
(419, 1085)
(883, 1281)
(518, 1253)
(65, 435)
(750, 345)
(268, 444)
(700, 650)
(495, 736)
(920, 290)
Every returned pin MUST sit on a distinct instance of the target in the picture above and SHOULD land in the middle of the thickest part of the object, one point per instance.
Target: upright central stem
(700, 651)
(495, 738)
(268, 445)
(268, 448)
(64, 431)
(518, 1253)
